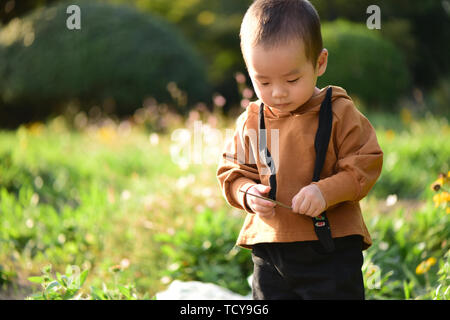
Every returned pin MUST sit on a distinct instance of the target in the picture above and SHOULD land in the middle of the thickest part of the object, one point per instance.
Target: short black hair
(274, 22)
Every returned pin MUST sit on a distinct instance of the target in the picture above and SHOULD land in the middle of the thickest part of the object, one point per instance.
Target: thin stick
(268, 199)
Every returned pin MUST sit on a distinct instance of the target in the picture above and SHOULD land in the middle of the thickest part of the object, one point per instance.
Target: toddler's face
(282, 76)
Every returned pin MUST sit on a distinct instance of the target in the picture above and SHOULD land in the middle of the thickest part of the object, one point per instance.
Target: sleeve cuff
(338, 188)
(242, 184)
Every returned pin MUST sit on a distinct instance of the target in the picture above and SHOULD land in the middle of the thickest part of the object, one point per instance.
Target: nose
(279, 92)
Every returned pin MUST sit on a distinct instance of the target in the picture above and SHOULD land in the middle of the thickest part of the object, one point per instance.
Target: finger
(261, 202)
(309, 207)
(265, 203)
(257, 193)
(304, 207)
(262, 189)
(315, 209)
(316, 213)
(263, 209)
(294, 200)
(311, 211)
(298, 202)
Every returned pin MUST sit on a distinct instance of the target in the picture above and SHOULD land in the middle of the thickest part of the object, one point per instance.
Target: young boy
(282, 47)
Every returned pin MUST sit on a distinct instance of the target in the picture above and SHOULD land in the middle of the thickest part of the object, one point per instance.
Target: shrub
(362, 62)
(208, 253)
(411, 252)
(409, 160)
(119, 55)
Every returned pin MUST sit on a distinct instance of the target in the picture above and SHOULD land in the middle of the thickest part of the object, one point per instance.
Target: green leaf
(47, 269)
(125, 292)
(69, 270)
(406, 290)
(52, 285)
(36, 279)
(69, 294)
(97, 294)
(83, 277)
(64, 281)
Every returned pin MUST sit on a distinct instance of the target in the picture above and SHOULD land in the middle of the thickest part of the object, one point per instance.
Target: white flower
(125, 263)
(29, 223)
(125, 195)
(391, 200)
(383, 245)
(154, 139)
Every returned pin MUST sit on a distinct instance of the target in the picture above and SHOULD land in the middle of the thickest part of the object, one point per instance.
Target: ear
(322, 62)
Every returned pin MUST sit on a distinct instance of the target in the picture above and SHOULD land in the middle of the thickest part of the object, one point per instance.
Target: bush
(120, 56)
(411, 25)
(411, 155)
(366, 65)
(212, 26)
(410, 252)
(208, 252)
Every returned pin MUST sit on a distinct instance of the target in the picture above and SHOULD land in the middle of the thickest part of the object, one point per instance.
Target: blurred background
(93, 123)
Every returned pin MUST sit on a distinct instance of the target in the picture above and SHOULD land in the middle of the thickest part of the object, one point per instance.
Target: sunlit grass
(96, 194)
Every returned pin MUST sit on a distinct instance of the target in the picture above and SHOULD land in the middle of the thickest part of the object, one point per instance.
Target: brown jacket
(353, 164)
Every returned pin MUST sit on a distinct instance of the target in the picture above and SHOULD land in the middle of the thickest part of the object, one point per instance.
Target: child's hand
(261, 207)
(309, 201)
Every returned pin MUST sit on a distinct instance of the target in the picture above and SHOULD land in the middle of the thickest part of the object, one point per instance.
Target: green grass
(105, 199)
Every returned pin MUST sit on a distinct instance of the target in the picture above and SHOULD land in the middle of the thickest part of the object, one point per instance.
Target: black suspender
(321, 224)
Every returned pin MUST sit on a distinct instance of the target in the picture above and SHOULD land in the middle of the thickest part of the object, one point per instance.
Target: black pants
(302, 270)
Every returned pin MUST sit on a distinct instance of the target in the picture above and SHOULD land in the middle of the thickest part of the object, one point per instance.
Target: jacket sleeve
(235, 171)
(360, 159)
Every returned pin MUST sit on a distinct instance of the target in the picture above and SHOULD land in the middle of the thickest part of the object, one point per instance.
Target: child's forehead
(281, 58)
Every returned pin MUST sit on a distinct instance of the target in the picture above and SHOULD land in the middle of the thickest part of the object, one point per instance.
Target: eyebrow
(285, 75)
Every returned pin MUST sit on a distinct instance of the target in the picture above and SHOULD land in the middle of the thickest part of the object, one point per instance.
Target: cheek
(302, 89)
(297, 92)
(260, 92)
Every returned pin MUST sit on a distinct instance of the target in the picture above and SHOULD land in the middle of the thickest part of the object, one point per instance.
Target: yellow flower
(447, 211)
(436, 200)
(421, 268)
(424, 266)
(390, 134)
(436, 185)
(107, 134)
(431, 261)
(371, 270)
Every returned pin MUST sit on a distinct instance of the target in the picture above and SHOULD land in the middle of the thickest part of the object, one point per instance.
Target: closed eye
(293, 81)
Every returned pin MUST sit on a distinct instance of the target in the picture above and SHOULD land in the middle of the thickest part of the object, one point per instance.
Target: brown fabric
(353, 164)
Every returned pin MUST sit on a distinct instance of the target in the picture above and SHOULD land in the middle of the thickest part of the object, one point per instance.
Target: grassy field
(111, 199)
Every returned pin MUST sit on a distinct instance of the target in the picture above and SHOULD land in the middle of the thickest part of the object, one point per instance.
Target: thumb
(262, 188)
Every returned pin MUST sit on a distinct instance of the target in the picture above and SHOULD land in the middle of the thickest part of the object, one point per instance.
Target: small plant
(208, 252)
(6, 276)
(116, 291)
(442, 291)
(68, 286)
(63, 287)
